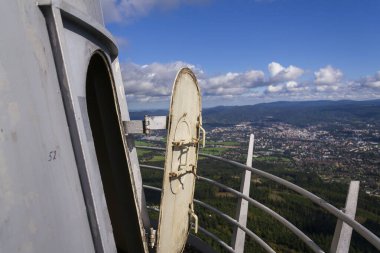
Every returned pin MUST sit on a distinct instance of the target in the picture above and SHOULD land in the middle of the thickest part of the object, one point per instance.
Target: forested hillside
(296, 113)
(315, 222)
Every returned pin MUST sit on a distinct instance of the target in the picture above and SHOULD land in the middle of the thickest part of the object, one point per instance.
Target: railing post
(343, 232)
(238, 237)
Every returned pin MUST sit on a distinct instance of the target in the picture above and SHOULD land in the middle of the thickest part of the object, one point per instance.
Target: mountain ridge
(300, 113)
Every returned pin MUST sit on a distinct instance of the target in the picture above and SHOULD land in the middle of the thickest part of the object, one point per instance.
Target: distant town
(339, 140)
(347, 154)
(318, 145)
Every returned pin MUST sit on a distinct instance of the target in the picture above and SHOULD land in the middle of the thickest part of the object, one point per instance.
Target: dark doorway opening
(106, 127)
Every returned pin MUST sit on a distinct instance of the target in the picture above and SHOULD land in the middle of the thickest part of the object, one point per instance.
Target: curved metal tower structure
(67, 180)
(70, 177)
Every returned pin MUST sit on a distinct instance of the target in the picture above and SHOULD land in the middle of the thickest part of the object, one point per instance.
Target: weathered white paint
(343, 232)
(238, 237)
(181, 159)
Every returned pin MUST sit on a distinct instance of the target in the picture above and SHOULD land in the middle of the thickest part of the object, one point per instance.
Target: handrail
(363, 231)
(301, 235)
(255, 237)
(208, 233)
(307, 240)
(227, 218)
(217, 239)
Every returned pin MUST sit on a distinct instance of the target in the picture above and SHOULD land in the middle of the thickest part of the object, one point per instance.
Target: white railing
(340, 215)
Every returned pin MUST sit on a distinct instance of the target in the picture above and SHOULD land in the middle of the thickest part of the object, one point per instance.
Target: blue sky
(248, 51)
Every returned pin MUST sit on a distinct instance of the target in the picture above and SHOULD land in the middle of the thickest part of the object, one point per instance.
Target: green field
(226, 143)
(272, 159)
(213, 151)
(143, 152)
(143, 143)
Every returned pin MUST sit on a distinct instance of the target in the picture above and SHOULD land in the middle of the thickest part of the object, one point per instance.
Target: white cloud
(144, 82)
(375, 84)
(247, 79)
(284, 79)
(222, 91)
(372, 81)
(280, 74)
(275, 88)
(327, 87)
(232, 83)
(226, 79)
(328, 78)
(149, 82)
(275, 68)
(127, 10)
(152, 83)
(293, 86)
(121, 41)
(111, 11)
(254, 75)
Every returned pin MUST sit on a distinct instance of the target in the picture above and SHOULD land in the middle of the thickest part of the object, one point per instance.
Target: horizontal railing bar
(207, 233)
(151, 167)
(217, 239)
(255, 237)
(227, 218)
(308, 241)
(363, 231)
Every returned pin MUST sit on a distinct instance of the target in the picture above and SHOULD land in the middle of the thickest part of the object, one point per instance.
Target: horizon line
(279, 101)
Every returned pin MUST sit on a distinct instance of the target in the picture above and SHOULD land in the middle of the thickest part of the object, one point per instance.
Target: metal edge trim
(82, 20)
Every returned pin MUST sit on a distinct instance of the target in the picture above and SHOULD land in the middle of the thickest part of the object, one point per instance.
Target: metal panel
(133, 127)
(180, 163)
(145, 126)
(73, 90)
(131, 151)
(75, 42)
(155, 123)
(90, 8)
(42, 207)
